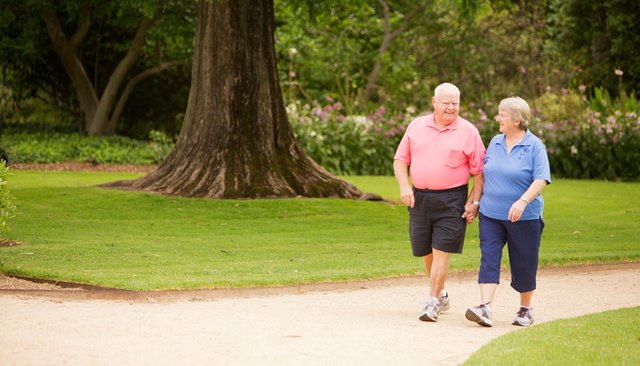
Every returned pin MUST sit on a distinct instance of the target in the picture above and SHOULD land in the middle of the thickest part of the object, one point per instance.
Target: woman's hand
(516, 210)
(470, 212)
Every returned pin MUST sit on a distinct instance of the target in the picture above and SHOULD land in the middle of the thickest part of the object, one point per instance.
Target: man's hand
(470, 212)
(406, 195)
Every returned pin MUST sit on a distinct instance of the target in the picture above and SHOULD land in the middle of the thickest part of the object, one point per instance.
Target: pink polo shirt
(441, 159)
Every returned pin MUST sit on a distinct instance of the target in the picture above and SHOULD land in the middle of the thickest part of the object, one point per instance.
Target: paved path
(374, 323)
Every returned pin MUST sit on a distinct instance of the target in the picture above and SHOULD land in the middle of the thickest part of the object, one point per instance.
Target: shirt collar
(526, 140)
(431, 122)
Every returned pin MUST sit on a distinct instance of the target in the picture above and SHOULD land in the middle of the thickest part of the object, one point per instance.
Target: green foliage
(347, 144)
(7, 208)
(608, 338)
(32, 70)
(599, 138)
(594, 38)
(58, 147)
(66, 226)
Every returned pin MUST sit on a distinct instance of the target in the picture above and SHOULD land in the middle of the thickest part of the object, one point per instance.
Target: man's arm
(470, 208)
(401, 171)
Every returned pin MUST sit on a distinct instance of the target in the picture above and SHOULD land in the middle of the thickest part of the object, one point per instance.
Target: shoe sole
(426, 318)
(522, 325)
(470, 315)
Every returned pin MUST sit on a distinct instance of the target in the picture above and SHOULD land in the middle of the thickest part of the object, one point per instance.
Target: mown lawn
(73, 231)
(608, 338)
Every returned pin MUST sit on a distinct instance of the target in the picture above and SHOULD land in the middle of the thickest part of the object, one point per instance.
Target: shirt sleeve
(476, 158)
(403, 152)
(541, 169)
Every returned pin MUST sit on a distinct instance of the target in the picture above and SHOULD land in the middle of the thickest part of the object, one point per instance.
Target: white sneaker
(444, 300)
(431, 310)
(480, 314)
(524, 317)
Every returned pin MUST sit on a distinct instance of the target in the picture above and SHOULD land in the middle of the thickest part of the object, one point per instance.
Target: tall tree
(236, 141)
(96, 47)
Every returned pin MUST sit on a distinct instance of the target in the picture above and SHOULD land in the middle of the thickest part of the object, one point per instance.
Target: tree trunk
(67, 51)
(236, 141)
(100, 122)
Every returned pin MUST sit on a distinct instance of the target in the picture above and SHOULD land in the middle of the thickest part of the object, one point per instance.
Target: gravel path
(364, 323)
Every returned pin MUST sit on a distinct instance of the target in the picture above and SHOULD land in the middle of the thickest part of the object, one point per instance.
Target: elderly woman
(516, 169)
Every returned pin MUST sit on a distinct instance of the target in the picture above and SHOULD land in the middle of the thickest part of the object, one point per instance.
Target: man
(443, 151)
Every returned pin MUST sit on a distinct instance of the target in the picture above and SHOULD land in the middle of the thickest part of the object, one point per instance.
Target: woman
(516, 169)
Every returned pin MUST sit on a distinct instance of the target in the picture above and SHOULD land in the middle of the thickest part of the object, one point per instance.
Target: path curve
(373, 323)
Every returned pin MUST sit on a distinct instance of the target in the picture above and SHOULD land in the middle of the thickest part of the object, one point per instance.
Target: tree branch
(128, 89)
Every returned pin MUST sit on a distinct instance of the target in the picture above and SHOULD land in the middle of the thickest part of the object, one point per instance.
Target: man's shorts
(435, 220)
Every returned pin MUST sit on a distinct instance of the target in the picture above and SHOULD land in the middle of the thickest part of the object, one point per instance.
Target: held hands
(470, 212)
(406, 195)
(516, 210)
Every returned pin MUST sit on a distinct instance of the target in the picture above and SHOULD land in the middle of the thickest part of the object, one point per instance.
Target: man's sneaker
(480, 314)
(524, 317)
(431, 310)
(444, 301)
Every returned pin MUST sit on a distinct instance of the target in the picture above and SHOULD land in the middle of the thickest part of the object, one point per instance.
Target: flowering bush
(348, 144)
(593, 138)
(601, 140)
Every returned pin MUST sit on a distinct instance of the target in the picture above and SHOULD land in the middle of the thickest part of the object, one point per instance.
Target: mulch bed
(81, 167)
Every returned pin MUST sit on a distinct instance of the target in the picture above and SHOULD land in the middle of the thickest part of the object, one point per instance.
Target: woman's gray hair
(518, 109)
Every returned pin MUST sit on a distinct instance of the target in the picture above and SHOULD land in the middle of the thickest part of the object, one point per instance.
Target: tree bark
(236, 141)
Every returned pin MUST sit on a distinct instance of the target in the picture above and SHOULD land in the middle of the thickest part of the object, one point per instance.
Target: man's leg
(439, 272)
(428, 260)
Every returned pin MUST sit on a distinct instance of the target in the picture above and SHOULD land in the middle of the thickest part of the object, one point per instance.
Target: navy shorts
(435, 220)
(524, 245)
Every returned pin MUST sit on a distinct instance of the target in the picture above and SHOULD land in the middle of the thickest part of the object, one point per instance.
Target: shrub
(347, 144)
(7, 208)
(600, 140)
(54, 147)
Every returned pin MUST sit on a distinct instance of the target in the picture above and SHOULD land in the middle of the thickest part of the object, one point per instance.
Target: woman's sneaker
(480, 314)
(524, 318)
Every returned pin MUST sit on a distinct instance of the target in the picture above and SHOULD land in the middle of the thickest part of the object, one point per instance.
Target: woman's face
(507, 124)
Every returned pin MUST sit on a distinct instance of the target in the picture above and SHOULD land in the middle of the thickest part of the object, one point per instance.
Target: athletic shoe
(431, 310)
(444, 301)
(524, 317)
(480, 314)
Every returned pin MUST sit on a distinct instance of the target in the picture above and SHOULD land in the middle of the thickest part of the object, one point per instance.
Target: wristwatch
(477, 203)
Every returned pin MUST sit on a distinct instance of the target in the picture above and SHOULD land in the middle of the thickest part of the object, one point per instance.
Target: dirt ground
(359, 323)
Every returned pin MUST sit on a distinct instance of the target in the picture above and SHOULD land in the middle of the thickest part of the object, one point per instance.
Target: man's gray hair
(518, 109)
(446, 87)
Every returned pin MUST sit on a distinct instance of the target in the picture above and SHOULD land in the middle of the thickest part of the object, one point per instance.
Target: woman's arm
(530, 194)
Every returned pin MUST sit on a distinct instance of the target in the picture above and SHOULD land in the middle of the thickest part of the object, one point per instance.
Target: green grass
(609, 338)
(73, 231)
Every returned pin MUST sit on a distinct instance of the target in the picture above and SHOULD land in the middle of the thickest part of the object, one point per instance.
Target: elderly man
(442, 150)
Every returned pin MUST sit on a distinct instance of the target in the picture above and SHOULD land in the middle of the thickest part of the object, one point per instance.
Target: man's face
(446, 107)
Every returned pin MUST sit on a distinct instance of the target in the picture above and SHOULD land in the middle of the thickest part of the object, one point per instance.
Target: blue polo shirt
(508, 176)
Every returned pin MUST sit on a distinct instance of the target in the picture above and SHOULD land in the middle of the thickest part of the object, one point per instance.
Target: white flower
(292, 52)
(574, 150)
